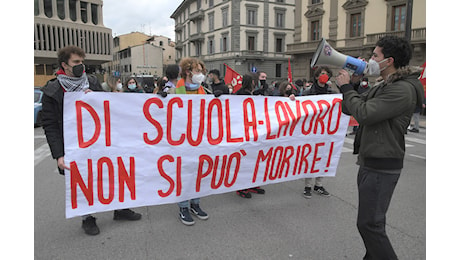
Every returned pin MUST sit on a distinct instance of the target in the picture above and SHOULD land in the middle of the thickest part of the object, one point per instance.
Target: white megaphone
(326, 55)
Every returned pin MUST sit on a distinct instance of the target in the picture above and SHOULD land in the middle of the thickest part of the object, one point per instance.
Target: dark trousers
(375, 192)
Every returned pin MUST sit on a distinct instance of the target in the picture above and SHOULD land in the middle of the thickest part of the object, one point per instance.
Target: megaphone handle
(350, 72)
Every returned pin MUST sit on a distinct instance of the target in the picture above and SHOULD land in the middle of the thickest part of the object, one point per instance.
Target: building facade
(248, 35)
(138, 54)
(168, 46)
(353, 27)
(59, 23)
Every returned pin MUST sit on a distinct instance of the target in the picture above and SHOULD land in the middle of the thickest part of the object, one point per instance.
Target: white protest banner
(130, 150)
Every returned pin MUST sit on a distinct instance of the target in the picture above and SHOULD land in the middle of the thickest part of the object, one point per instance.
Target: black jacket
(52, 109)
(220, 87)
(317, 90)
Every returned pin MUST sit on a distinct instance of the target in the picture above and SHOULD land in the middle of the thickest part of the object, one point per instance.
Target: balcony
(302, 47)
(197, 37)
(417, 36)
(252, 55)
(179, 28)
(198, 15)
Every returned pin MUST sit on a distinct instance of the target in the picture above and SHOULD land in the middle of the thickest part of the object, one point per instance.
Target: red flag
(289, 71)
(232, 77)
(422, 77)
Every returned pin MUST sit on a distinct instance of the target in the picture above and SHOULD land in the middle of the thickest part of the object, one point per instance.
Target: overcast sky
(151, 17)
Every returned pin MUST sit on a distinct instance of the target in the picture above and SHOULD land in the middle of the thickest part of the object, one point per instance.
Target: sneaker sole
(118, 218)
(198, 216)
(186, 222)
(307, 196)
(244, 195)
(324, 195)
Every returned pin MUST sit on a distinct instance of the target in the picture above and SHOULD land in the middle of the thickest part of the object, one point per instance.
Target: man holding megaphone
(383, 114)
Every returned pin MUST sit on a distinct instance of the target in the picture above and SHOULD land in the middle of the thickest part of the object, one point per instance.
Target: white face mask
(198, 78)
(132, 86)
(119, 86)
(373, 67)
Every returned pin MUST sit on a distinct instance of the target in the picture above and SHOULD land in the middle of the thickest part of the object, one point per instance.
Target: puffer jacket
(53, 101)
(384, 113)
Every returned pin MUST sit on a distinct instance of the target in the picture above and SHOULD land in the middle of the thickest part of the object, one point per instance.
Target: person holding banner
(71, 77)
(383, 115)
(261, 88)
(320, 87)
(247, 88)
(192, 75)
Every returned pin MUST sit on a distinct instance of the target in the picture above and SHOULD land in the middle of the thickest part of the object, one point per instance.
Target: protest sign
(130, 150)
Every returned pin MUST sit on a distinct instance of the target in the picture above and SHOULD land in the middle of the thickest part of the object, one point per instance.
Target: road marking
(349, 140)
(346, 150)
(416, 140)
(417, 156)
(41, 153)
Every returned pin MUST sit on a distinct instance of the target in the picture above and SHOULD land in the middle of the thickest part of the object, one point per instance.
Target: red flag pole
(289, 71)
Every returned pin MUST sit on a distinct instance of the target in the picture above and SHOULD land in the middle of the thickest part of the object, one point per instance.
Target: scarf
(191, 86)
(73, 84)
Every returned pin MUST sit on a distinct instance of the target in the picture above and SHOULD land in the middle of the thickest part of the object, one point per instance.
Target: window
(39, 69)
(315, 1)
(278, 71)
(224, 42)
(48, 8)
(36, 10)
(279, 19)
(198, 4)
(94, 14)
(355, 25)
(84, 12)
(73, 10)
(251, 43)
(224, 17)
(399, 18)
(197, 48)
(279, 45)
(314, 27)
(251, 19)
(60, 9)
(211, 45)
(211, 3)
(211, 21)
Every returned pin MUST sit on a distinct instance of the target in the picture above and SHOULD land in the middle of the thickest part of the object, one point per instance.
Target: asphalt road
(281, 224)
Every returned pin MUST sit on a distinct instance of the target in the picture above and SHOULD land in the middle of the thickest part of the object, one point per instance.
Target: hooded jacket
(384, 113)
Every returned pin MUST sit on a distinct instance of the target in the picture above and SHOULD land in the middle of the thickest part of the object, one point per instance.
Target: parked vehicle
(38, 94)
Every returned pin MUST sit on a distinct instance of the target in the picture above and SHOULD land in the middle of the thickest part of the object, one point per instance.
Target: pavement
(280, 224)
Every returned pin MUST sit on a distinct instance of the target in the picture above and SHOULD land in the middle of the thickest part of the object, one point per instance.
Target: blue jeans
(186, 203)
(375, 189)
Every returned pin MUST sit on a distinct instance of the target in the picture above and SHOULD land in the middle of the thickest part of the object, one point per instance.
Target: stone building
(353, 27)
(59, 23)
(137, 53)
(248, 35)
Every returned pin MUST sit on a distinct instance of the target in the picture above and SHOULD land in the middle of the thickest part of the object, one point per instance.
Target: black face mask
(77, 70)
(262, 82)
